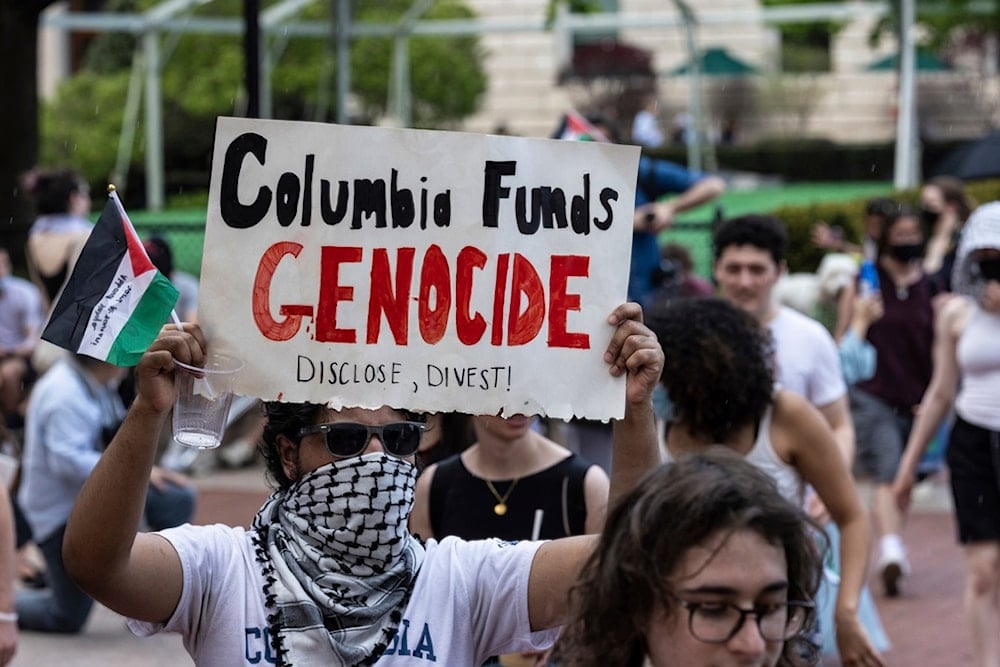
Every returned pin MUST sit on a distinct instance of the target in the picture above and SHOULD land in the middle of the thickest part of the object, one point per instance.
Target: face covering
(906, 252)
(929, 216)
(989, 269)
(335, 550)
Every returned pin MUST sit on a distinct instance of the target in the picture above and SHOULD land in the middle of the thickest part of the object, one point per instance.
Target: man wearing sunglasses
(328, 572)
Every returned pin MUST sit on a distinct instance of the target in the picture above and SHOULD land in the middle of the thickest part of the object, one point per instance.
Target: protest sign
(436, 271)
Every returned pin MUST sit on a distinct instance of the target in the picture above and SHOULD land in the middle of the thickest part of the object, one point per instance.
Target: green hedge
(797, 160)
(804, 256)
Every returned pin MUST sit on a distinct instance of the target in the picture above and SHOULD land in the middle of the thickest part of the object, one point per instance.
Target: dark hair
(672, 510)
(883, 207)
(717, 368)
(953, 192)
(286, 419)
(761, 231)
(283, 419)
(679, 254)
(902, 211)
(160, 254)
(52, 189)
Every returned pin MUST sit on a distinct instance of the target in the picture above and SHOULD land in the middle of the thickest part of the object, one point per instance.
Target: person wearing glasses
(328, 573)
(966, 378)
(703, 563)
(719, 379)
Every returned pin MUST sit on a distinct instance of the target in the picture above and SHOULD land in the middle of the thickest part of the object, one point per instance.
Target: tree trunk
(18, 117)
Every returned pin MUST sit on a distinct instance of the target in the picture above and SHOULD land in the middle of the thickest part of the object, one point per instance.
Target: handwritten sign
(434, 271)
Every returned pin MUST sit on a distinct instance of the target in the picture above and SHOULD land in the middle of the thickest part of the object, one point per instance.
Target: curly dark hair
(287, 419)
(761, 231)
(718, 367)
(673, 509)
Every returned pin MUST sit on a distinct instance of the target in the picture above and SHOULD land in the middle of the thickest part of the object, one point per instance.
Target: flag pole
(113, 193)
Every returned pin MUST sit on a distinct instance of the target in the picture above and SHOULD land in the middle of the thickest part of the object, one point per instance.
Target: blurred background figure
(832, 238)
(944, 208)
(162, 256)
(62, 202)
(646, 130)
(73, 413)
(883, 406)
(967, 376)
(445, 434)
(21, 318)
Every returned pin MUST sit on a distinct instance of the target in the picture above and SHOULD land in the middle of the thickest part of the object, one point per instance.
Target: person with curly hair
(719, 379)
(703, 563)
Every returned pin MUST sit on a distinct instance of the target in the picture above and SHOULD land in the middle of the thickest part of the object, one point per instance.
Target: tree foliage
(202, 78)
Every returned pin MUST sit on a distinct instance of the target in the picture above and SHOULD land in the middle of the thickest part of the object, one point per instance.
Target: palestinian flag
(575, 127)
(115, 301)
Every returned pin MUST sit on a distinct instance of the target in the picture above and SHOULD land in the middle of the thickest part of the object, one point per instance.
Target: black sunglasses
(346, 439)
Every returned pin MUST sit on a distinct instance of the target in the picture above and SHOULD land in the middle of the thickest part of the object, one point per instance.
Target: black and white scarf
(338, 560)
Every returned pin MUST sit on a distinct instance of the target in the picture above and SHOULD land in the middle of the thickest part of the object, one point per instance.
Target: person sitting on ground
(329, 573)
(73, 411)
(704, 563)
(719, 377)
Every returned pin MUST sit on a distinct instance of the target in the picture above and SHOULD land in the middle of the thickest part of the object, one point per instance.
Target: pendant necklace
(501, 507)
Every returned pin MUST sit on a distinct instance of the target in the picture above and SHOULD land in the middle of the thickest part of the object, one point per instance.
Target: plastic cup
(204, 395)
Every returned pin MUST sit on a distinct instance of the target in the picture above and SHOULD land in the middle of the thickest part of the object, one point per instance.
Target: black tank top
(461, 504)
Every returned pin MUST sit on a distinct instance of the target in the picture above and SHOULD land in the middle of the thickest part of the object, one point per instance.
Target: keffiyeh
(338, 560)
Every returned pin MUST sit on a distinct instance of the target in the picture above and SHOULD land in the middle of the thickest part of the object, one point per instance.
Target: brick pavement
(925, 623)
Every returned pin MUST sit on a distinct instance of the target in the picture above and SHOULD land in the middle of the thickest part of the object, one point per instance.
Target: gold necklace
(501, 507)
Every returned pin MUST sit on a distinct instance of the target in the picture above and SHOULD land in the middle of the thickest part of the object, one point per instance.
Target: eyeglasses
(718, 622)
(345, 439)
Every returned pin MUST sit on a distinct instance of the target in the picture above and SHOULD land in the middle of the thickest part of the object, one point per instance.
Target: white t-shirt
(470, 601)
(806, 358)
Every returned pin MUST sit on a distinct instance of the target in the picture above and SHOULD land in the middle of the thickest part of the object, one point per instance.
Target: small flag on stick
(115, 301)
(575, 127)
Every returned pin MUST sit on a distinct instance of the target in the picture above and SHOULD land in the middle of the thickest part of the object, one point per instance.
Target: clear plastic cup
(204, 395)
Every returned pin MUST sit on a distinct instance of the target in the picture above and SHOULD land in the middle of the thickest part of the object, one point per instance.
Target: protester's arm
(838, 416)
(802, 438)
(938, 397)
(136, 575)
(635, 352)
(595, 495)
(8, 559)
(704, 190)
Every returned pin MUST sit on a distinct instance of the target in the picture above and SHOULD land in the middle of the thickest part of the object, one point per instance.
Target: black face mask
(929, 217)
(906, 252)
(989, 269)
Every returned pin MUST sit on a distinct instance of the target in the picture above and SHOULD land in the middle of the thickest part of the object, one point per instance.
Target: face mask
(928, 216)
(906, 252)
(989, 269)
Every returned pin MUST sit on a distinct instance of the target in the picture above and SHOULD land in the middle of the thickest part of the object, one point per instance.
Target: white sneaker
(892, 563)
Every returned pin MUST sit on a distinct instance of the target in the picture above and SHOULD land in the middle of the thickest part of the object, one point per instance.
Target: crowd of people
(721, 520)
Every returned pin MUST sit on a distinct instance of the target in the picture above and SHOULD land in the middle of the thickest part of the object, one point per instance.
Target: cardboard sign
(433, 271)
